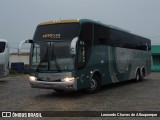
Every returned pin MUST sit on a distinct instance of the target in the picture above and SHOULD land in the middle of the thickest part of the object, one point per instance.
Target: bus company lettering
(57, 36)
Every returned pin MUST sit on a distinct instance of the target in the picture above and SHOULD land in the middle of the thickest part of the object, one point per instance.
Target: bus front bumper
(66, 86)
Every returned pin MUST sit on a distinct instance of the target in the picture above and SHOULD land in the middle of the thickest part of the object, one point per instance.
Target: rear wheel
(137, 75)
(142, 74)
(95, 84)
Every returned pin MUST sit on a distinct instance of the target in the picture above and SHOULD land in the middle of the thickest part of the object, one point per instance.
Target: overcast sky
(19, 18)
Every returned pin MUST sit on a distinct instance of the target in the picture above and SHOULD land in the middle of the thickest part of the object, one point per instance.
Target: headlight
(32, 78)
(67, 79)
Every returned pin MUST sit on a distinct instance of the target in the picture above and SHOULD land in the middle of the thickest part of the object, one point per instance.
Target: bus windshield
(51, 47)
(2, 46)
(52, 56)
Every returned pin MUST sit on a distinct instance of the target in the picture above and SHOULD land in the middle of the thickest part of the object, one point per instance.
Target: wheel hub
(93, 83)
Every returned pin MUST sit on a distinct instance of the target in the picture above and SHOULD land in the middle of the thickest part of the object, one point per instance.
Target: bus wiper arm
(37, 70)
(57, 66)
(55, 60)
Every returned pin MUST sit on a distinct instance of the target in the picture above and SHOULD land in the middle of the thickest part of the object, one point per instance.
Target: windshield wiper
(48, 56)
(55, 59)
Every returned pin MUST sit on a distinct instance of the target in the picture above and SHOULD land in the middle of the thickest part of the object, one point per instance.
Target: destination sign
(55, 36)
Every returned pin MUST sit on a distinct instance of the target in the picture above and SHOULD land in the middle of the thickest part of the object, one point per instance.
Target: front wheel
(95, 84)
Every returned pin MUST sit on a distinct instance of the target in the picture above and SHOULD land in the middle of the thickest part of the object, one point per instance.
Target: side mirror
(29, 41)
(20, 45)
(73, 46)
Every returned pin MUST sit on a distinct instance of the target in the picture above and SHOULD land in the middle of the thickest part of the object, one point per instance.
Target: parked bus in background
(69, 55)
(4, 58)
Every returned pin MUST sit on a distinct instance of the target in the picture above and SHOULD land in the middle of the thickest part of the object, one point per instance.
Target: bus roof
(106, 25)
(3, 40)
(84, 21)
(59, 21)
(80, 21)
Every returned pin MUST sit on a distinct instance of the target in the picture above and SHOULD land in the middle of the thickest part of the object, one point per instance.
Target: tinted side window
(126, 40)
(115, 40)
(2, 46)
(100, 35)
(86, 34)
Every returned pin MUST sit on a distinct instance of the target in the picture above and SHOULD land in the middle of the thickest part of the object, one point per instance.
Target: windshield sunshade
(63, 31)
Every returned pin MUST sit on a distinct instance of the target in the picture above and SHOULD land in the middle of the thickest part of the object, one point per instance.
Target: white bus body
(4, 58)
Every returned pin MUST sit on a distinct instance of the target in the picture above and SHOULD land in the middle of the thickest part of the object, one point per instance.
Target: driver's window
(36, 54)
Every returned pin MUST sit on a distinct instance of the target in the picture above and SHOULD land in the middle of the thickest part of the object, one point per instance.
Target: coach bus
(69, 55)
(4, 58)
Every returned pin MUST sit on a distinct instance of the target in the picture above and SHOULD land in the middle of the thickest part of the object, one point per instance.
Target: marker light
(67, 79)
(32, 78)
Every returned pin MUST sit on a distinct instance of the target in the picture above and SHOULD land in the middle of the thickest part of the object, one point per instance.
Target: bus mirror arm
(20, 45)
(73, 46)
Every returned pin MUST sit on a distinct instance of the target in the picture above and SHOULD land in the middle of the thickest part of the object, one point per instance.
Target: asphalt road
(17, 95)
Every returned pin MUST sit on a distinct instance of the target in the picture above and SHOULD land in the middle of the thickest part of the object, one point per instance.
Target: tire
(142, 74)
(137, 75)
(95, 84)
